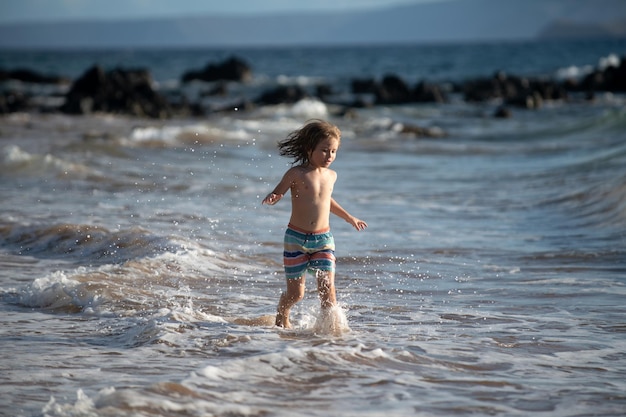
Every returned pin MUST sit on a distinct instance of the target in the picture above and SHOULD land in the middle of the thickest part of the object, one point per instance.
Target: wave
(15, 160)
(577, 72)
(124, 274)
(261, 122)
(138, 304)
(573, 71)
(86, 244)
(129, 273)
(592, 180)
(600, 203)
(550, 131)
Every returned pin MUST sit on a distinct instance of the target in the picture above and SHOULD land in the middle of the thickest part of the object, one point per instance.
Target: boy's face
(324, 153)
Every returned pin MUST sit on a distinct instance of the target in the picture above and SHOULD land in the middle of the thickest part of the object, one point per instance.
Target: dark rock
(428, 93)
(502, 113)
(482, 89)
(392, 90)
(515, 91)
(323, 90)
(422, 132)
(117, 91)
(361, 103)
(364, 86)
(233, 69)
(282, 94)
(528, 101)
(616, 77)
(611, 79)
(553, 91)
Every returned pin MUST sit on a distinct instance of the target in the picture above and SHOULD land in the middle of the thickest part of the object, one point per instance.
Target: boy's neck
(310, 167)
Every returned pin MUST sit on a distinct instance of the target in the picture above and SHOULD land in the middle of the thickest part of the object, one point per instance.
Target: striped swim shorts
(308, 251)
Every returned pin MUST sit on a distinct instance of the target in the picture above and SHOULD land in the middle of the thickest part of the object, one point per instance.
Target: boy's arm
(280, 190)
(337, 210)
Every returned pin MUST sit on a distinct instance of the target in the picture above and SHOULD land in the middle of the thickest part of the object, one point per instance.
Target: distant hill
(437, 21)
(561, 29)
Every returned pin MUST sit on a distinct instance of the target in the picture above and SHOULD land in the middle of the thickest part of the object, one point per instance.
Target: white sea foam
(192, 134)
(16, 159)
(57, 291)
(309, 108)
(573, 72)
(301, 110)
(577, 72)
(151, 133)
(611, 60)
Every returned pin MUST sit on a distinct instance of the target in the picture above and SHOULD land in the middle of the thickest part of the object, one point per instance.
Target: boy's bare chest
(313, 184)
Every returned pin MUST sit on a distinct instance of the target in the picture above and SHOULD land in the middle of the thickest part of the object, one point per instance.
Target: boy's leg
(326, 288)
(294, 293)
(331, 319)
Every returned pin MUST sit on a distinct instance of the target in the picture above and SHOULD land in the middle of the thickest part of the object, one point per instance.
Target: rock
(482, 89)
(233, 69)
(428, 93)
(612, 78)
(516, 91)
(392, 90)
(420, 132)
(502, 113)
(549, 90)
(360, 103)
(282, 94)
(616, 77)
(117, 91)
(323, 91)
(526, 101)
(364, 86)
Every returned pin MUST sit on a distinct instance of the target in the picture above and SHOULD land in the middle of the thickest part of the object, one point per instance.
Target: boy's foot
(281, 321)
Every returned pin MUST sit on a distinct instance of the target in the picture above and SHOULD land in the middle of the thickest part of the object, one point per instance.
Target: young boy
(309, 244)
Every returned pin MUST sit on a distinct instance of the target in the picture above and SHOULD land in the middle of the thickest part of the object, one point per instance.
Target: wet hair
(300, 142)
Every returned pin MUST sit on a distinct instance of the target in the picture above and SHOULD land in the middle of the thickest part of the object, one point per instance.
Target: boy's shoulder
(296, 169)
(293, 172)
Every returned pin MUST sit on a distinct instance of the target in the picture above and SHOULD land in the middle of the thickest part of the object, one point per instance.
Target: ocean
(139, 273)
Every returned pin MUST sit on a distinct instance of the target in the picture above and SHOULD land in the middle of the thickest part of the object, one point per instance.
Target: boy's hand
(272, 198)
(357, 223)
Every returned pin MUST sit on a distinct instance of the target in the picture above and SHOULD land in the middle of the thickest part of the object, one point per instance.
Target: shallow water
(140, 274)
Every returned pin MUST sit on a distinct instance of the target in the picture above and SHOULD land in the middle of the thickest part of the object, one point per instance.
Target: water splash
(332, 321)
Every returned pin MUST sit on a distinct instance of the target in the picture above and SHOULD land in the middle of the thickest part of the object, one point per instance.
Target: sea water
(139, 273)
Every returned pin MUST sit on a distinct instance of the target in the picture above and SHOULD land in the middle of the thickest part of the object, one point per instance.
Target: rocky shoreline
(131, 91)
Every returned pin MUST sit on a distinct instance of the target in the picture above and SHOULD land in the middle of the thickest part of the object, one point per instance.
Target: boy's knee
(296, 295)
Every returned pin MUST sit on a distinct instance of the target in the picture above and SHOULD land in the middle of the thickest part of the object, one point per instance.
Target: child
(309, 244)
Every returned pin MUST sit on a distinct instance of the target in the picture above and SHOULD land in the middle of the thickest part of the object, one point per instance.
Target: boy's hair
(300, 142)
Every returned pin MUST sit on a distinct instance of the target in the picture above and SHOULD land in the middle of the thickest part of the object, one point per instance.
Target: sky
(17, 11)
